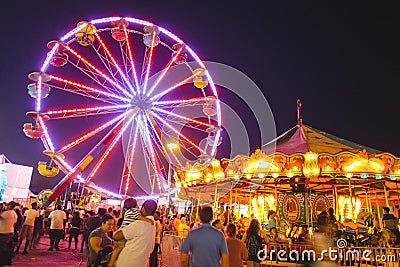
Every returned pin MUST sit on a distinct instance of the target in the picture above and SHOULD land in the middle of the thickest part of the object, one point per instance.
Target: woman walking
(253, 238)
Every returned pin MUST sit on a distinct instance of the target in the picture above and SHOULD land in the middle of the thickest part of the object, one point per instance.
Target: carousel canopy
(301, 159)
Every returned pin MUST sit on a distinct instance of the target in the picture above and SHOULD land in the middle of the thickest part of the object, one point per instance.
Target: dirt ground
(40, 257)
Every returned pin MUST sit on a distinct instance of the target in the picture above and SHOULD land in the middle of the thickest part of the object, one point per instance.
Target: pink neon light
(91, 133)
(165, 71)
(166, 91)
(46, 134)
(48, 58)
(103, 20)
(73, 32)
(75, 110)
(183, 117)
(177, 132)
(131, 58)
(183, 101)
(149, 61)
(39, 93)
(88, 88)
(131, 159)
(114, 62)
(97, 70)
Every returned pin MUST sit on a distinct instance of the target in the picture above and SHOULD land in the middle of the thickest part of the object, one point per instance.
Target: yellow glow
(275, 175)
(289, 174)
(261, 165)
(172, 146)
(349, 175)
(295, 168)
(345, 207)
(215, 163)
(248, 176)
(362, 164)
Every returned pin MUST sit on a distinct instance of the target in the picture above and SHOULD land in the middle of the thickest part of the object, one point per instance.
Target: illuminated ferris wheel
(119, 100)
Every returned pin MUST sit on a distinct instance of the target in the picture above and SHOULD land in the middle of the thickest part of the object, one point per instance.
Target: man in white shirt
(7, 219)
(140, 238)
(27, 229)
(57, 221)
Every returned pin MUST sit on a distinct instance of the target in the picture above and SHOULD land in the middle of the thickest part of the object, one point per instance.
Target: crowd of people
(113, 237)
(132, 236)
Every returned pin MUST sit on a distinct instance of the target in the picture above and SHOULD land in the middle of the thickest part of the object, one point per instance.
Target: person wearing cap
(139, 237)
(7, 219)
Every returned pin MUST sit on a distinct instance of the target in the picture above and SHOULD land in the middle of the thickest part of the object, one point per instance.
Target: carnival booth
(14, 181)
(301, 173)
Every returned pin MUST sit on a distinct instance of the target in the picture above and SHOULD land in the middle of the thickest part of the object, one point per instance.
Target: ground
(40, 257)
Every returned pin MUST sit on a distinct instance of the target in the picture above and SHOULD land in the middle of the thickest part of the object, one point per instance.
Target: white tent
(18, 179)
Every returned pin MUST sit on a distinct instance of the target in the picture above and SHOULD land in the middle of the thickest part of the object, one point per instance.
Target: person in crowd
(153, 256)
(18, 225)
(183, 228)
(236, 248)
(27, 229)
(93, 222)
(131, 214)
(206, 244)
(272, 217)
(100, 244)
(8, 218)
(176, 222)
(85, 234)
(322, 222)
(253, 238)
(57, 222)
(390, 222)
(218, 224)
(38, 229)
(332, 223)
(74, 229)
(139, 236)
(167, 226)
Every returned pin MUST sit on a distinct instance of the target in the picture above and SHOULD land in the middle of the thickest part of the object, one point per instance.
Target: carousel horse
(386, 238)
(357, 234)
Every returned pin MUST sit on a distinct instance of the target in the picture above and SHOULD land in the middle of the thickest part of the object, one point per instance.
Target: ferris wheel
(119, 101)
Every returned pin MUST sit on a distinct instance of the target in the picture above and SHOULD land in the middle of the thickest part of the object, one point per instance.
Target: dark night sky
(342, 61)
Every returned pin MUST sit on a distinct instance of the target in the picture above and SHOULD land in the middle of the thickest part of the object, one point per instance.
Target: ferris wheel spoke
(131, 59)
(131, 151)
(91, 133)
(183, 117)
(157, 132)
(110, 148)
(165, 70)
(168, 90)
(149, 58)
(177, 132)
(183, 102)
(87, 88)
(92, 67)
(150, 151)
(105, 48)
(79, 112)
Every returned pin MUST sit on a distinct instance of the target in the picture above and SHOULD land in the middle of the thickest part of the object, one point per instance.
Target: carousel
(300, 174)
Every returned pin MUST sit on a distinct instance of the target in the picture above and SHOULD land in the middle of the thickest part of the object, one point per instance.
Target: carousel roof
(302, 157)
(303, 138)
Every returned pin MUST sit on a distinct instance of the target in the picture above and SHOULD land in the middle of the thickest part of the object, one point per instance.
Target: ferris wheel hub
(141, 101)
